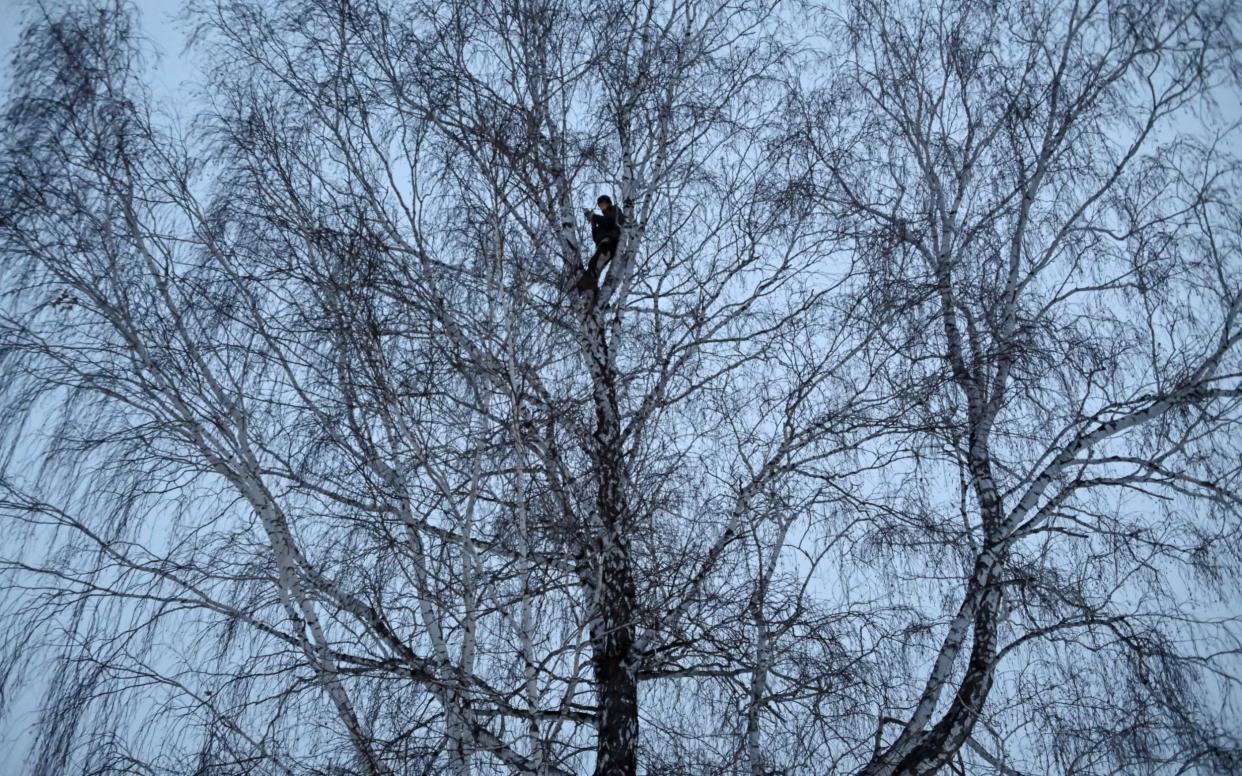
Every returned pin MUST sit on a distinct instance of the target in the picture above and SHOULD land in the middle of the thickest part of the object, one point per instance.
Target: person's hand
(586, 211)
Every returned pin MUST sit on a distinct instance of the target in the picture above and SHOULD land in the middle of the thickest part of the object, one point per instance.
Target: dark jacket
(606, 227)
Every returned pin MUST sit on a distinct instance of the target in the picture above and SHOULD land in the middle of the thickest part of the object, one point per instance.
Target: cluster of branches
(898, 435)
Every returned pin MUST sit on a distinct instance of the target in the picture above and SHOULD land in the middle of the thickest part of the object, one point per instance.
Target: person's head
(604, 202)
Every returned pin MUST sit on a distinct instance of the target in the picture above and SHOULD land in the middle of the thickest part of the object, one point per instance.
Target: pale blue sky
(169, 78)
(172, 70)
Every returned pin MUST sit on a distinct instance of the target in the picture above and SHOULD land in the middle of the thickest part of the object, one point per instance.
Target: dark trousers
(604, 250)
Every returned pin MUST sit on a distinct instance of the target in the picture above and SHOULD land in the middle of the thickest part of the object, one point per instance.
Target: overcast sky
(170, 77)
(173, 69)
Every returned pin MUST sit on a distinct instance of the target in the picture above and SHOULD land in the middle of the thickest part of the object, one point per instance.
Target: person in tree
(606, 232)
(606, 225)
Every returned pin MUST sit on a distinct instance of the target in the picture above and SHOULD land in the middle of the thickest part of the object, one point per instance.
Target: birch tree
(419, 456)
(896, 437)
(1051, 232)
